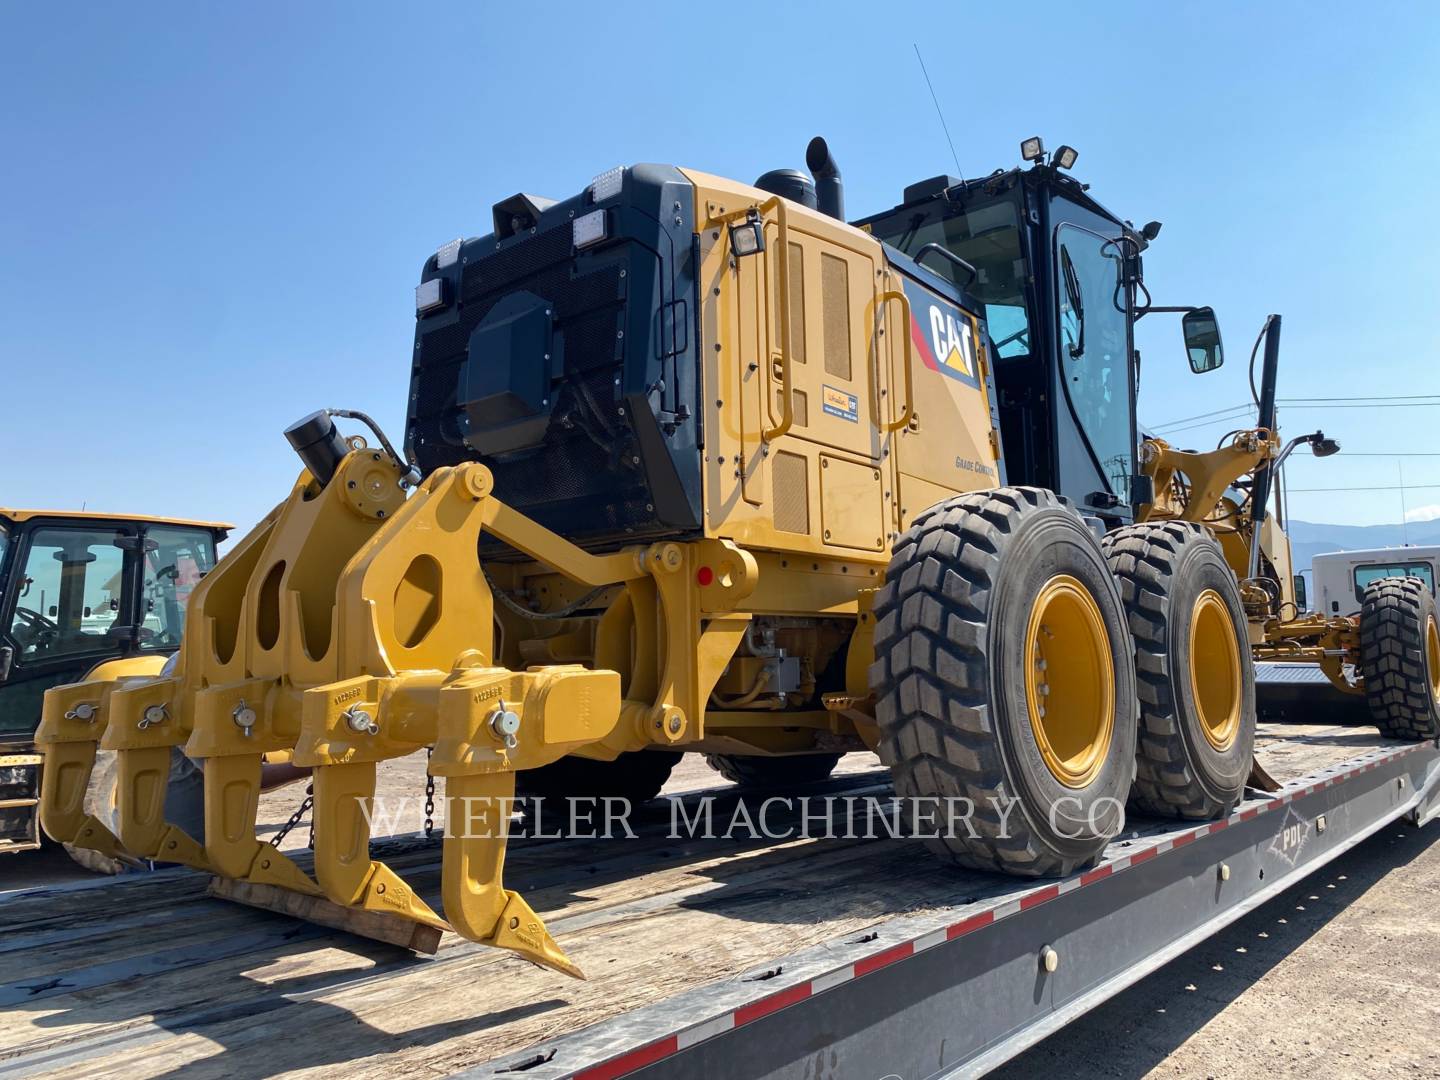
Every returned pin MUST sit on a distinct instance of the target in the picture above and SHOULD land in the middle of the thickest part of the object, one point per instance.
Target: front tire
(1004, 675)
(1400, 657)
(1195, 680)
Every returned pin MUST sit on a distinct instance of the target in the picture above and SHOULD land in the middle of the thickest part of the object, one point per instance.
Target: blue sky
(212, 217)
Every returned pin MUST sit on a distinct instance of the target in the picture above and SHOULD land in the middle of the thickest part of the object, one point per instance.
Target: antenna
(940, 113)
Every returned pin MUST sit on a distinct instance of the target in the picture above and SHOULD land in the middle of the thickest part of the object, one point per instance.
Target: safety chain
(429, 796)
(295, 819)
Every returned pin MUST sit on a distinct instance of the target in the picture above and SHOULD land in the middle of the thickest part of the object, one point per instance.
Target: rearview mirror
(1301, 600)
(1202, 340)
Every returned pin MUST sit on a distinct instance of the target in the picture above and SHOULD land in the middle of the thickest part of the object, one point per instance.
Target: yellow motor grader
(695, 465)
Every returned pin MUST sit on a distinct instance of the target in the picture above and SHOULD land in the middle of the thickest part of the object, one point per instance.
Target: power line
(1407, 401)
(1354, 405)
(1368, 487)
(1201, 416)
(1387, 397)
(1377, 453)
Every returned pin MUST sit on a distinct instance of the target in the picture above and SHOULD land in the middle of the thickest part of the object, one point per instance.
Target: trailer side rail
(956, 992)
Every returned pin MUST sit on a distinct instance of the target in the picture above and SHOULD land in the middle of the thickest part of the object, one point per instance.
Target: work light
(429, 296)
(588, 229)
(748, 237)
(608, 183)
(448, 255)
(1032, 149)
(1065, 156)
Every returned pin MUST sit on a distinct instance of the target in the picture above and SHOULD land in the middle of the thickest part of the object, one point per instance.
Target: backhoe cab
(82, 593)
(696, 465)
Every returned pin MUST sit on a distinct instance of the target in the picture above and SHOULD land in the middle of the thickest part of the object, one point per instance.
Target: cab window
(1364, 575)
(175, 561)
(69, 593)
(988, 238)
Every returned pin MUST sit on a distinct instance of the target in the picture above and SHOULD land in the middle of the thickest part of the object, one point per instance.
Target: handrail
(947, 253)
(909, 414)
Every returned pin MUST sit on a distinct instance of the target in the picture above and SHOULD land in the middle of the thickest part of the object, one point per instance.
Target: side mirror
(1301, 601)
(7, 661)
(1202, 340)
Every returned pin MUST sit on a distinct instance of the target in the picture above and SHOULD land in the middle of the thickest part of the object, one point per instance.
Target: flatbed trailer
(765, 958)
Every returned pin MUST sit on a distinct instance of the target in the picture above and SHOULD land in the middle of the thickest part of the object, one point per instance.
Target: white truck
(1339, 578)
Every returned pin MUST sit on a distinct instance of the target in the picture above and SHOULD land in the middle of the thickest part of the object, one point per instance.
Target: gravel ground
(1334, 978)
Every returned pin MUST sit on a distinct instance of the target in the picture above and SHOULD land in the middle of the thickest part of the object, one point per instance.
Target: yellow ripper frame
(354, 625)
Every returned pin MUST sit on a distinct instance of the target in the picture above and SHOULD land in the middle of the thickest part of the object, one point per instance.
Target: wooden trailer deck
(146, 976)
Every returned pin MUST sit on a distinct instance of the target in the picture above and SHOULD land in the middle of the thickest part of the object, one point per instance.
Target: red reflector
(704, 576)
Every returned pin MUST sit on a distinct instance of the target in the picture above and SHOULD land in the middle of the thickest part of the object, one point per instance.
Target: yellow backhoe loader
(87, 595)
(696, 465)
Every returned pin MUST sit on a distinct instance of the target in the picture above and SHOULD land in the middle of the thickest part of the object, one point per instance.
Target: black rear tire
(753, 771)
(1400, 658)
(963, 600)
(1196, 742)
(637, 776)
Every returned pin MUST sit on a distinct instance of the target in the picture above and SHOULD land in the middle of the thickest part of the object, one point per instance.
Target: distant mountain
(1309, 538)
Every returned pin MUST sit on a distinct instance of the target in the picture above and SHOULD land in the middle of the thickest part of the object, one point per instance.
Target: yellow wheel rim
(1432, 656)
(1069, 681)
(1215, 674)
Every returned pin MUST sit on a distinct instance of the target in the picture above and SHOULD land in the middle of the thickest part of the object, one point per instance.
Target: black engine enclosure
(572, 373)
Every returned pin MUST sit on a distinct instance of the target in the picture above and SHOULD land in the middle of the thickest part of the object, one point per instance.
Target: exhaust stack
(829, 190)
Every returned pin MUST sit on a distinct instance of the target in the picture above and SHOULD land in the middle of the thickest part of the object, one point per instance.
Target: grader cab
(693, 465)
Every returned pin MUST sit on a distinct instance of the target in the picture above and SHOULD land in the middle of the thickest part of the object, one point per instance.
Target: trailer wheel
(1400, 657)
(755, 771)
(637, 776)
(1194, 676)
(1005, 675)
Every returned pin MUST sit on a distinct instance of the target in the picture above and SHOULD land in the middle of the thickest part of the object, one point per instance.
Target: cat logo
(953, 341)
(944, 335)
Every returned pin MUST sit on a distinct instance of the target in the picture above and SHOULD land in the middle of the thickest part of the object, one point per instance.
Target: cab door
(1094, 394)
